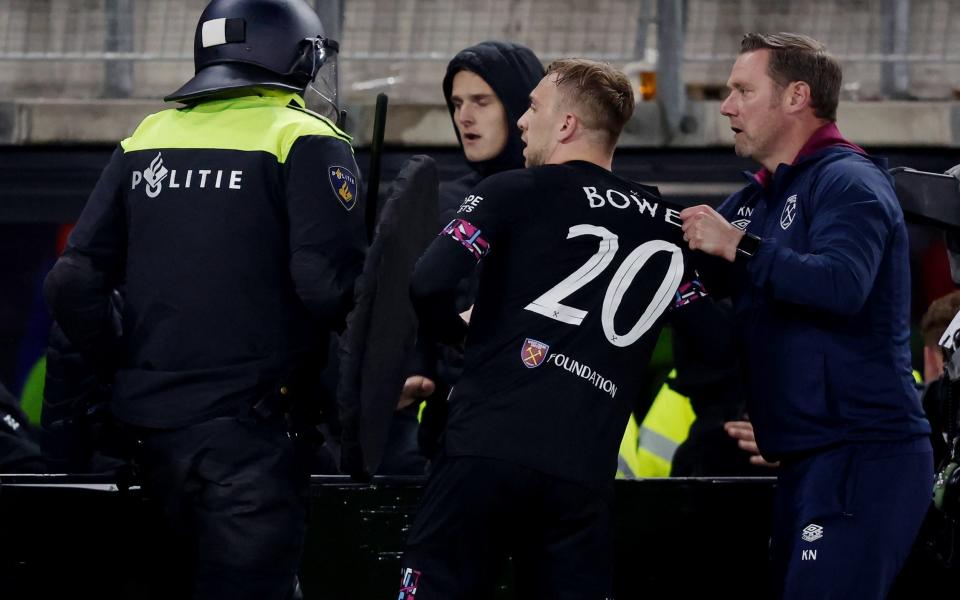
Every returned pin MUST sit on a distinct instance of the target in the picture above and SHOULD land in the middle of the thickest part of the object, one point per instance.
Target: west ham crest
(789, 212)
(533, 353)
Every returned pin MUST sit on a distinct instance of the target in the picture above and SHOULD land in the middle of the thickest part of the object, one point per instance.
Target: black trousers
(477, 511)
(234, 492)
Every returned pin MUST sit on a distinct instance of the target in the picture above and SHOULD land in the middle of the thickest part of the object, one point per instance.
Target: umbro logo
(812, 533)
(11, 422)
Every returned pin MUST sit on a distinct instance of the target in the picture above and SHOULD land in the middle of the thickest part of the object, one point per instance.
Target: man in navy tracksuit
(815, 256)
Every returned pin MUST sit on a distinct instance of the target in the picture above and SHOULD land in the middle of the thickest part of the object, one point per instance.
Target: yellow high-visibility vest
(647, 450)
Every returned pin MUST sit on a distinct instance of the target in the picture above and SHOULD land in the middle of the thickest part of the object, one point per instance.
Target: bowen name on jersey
(619, 200)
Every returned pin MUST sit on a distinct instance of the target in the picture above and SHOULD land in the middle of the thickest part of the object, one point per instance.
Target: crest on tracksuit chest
(789, 213)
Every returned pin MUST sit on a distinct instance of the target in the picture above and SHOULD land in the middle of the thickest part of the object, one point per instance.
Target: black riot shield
(381, 330)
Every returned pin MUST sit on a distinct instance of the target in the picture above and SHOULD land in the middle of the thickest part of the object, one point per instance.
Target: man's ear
(932, 361)
(569, 127)
(797, 96)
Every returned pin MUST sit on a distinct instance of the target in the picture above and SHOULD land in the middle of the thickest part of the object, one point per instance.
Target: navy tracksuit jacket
(822, 314)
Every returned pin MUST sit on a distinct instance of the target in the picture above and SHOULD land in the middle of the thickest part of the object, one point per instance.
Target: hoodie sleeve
(852, 216)
(476, 229)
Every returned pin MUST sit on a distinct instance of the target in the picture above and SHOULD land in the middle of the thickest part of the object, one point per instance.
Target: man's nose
(727, 106)
(466, 115)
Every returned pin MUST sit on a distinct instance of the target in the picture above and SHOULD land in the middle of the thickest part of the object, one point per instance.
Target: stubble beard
(743, 147)
(534, 158)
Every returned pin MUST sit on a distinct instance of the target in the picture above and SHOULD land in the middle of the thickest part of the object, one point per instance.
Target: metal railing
(142, 48)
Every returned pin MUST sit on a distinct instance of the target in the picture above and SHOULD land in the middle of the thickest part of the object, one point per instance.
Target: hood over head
(512, 71)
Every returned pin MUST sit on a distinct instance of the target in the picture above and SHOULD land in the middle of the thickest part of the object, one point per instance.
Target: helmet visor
(321, 92)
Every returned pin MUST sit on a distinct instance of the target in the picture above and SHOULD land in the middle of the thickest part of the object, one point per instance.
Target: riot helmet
(278, 44)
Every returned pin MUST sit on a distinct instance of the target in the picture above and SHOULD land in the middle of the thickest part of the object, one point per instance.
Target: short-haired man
(580, 267)
(932, 327)
(934, 322)
(816, 251)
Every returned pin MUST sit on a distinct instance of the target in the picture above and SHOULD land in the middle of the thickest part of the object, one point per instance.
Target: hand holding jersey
(706, 230)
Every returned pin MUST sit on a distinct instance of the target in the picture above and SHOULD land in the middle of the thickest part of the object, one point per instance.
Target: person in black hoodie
(487, 89)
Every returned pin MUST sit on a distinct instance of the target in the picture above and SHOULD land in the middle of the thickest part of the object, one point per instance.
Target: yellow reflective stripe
(657, 444)
(665, 427)
(627, 466)
(670, 416)
(624, 470)
(250, 123)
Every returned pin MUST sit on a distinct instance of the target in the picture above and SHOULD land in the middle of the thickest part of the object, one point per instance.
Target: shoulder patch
(344, 185)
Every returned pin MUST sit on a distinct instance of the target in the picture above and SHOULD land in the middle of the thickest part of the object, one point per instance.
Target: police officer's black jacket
(234, 226)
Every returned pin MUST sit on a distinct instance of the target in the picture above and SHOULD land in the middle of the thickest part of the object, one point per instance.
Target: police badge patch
(533, 353)
(344, 185)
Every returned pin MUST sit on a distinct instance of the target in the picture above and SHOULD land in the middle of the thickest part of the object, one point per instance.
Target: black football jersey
(580, 268)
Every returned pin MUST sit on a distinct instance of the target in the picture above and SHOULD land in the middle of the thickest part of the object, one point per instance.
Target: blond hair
(601, 94)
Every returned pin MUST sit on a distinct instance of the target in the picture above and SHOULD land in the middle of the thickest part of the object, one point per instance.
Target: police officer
(233, 223)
